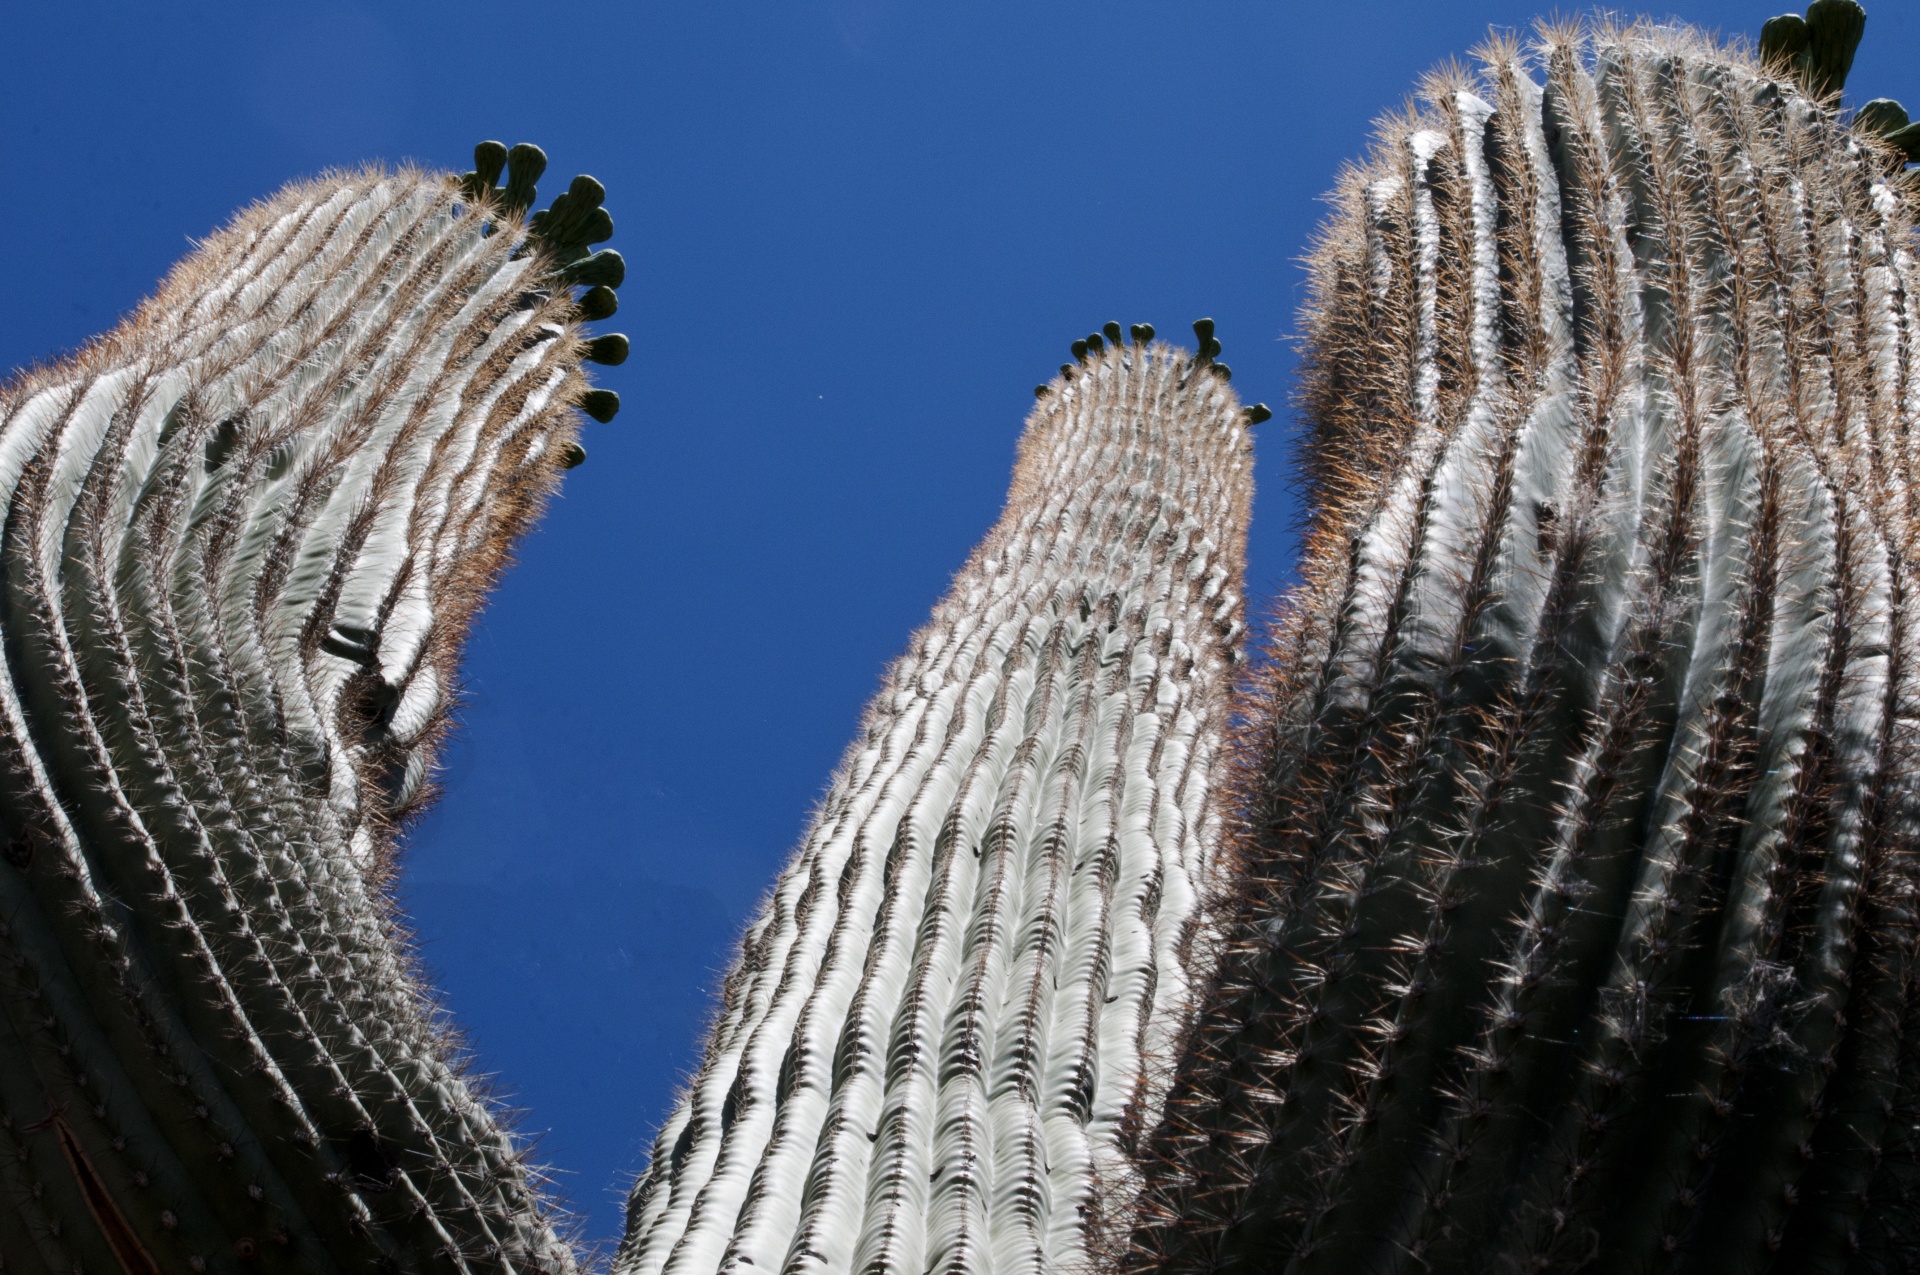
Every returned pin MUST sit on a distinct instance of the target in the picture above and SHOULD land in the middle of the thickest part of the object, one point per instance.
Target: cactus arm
(1540, 861)
(256, 1118)
(938, 1041)
(244, 536)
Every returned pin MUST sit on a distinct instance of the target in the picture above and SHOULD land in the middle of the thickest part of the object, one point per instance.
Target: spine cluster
(935, 1051)
(243, 536)
(1578, 809)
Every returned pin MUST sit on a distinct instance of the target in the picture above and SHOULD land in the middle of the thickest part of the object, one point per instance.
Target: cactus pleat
(244, 535)
(934, 1052)
(1578, 807)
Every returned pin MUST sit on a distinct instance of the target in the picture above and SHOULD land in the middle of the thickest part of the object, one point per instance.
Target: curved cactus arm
(244, 534)
(1579, 816)
(939, 1042)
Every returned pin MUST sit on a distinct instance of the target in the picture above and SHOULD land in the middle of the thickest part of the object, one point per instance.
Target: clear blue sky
(858, 233)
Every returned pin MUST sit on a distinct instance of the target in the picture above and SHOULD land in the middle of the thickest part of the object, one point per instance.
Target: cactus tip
(1259, 413)
(1039, 391)
(587, 192)
(598, 302)
(1888, 120)
(489, 158)
(572, 456)
(1783, 39)
(1817, 49)
(611, 349)
(1112, 330)
(1079, 349)
(1142, 333)
(1880, 117)
(601, 405)
(1834, 28)
(526, 162)
(606, 268)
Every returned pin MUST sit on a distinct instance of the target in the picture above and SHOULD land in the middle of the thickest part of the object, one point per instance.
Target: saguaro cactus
(932, 1053)
(244, 534)
(1580, 821)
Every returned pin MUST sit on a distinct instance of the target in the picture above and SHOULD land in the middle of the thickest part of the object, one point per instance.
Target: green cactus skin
(935, 1052)
(244, 534)
(1578, 805)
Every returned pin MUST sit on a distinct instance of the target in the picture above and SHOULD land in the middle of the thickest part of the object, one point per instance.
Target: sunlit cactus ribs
(934, 1052)
(1577, 806)
(245, 533)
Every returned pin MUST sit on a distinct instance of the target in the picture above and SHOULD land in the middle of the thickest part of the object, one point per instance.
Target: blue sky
(858, 232)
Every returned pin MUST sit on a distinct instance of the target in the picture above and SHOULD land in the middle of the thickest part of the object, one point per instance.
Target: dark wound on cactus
(244, 538)
(1578, 800)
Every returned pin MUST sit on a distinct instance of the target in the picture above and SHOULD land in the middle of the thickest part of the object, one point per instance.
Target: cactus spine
(244, 534)
(1580, 818)
(932, 1054)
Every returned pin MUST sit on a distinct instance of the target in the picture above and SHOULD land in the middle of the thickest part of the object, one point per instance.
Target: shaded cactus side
(932, 1053)
(1578, 803)
(244, 535)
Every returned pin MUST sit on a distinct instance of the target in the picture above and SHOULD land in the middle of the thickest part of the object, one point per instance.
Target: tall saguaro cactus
(1580, 826)
(933, 1052)
(244, 534)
